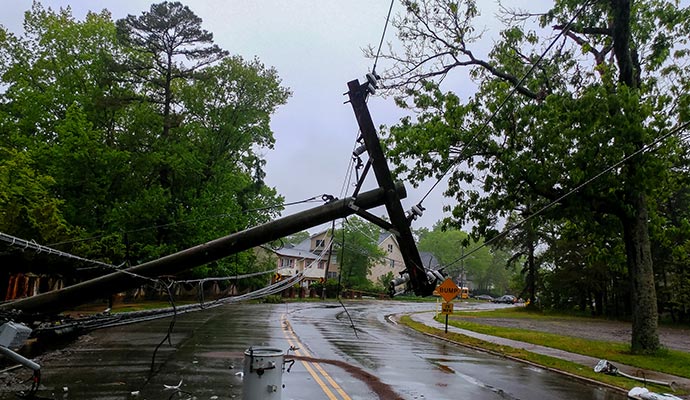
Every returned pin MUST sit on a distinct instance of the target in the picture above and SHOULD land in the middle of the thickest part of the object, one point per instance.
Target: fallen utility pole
(421, 283)
(66, 298)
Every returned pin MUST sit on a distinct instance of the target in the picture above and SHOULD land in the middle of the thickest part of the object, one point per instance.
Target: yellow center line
(316, 377)
(287, 330)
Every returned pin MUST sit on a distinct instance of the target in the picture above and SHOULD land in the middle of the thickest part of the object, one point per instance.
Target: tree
(484, 266)
(87, 135)
(358, 252)
(567, 123)
(297, 238)
(166, 33)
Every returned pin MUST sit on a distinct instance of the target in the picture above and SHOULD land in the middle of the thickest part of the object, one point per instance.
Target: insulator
(373, 80)
(415, 211)
(359, 151)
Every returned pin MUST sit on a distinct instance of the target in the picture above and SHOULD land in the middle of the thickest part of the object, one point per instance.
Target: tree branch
(587, 30)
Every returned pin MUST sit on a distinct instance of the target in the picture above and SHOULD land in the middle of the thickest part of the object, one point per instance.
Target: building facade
(309, 257)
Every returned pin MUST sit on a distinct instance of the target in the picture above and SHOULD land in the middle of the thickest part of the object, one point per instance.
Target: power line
(189, 221)
(23, 245)
(573, 191)
(385, 26)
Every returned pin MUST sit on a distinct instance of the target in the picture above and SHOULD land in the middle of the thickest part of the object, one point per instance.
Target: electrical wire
(383, 35)
(189, 221)
(227, 278)
(23, 244)
(105, 321)
(486, 123)
(170, 328)
(573, 191)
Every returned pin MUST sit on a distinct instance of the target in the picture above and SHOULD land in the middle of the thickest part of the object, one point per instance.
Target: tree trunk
(645, 336)
(531, 265)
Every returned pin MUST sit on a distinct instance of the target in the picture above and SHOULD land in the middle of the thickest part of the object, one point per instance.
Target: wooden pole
(101, 287)
(408, 247)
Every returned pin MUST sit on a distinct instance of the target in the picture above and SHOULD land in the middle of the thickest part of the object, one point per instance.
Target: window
(322, 264)
(332, 275)
(390, 248)
(392, 263)
(319, 243)
(286, 262)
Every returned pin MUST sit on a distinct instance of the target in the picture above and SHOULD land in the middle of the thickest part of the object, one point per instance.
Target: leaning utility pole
(63, 299)
(422, 283)
(388, 194)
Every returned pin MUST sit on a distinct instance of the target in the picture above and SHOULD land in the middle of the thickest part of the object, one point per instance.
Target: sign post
(448, 290)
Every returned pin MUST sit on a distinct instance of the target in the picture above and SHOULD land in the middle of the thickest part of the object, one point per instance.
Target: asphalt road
(382, 360)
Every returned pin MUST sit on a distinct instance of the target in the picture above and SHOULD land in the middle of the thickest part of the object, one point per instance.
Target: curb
(493, 352)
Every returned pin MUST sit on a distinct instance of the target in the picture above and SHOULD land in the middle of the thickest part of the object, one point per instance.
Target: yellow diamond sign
(448, 290)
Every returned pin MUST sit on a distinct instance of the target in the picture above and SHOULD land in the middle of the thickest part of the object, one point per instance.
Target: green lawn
(667, 361)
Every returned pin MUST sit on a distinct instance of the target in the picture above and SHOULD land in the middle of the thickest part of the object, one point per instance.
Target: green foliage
(28, 209)
(124, 158)
(358, 252)
(485, 266)
(297, 238)
(273, 299)
(571, 138)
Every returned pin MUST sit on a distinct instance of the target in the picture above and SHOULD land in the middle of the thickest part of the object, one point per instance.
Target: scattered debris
(640, 393)
(607, 368)
(171, 387)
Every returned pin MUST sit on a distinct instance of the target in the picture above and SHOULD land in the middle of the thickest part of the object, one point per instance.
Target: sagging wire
(340, 277)
(571, 192)
(126, 318)
(170, 327)
(227, 278)
(189, 221)
(24, 245)
(486, 123)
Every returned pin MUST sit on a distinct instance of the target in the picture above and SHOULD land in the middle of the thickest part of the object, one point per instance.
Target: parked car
(506, 299)
(484, 297)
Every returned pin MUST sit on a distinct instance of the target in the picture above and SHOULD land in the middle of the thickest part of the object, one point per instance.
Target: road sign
(448, 290)
(447, 308)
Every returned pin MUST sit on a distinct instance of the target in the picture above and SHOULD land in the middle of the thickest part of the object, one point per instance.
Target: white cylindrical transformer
(263, 374)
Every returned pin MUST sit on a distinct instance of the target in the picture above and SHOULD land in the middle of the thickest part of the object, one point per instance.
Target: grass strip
(667, 361)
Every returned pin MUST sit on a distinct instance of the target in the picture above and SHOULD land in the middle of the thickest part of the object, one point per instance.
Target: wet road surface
(419, 367)
(333, 363)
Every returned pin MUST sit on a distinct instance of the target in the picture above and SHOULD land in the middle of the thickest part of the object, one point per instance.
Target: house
(391, 264)
(309, 257)
(393, 261)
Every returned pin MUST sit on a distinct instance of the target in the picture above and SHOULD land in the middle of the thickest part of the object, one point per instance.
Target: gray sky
(316, 47)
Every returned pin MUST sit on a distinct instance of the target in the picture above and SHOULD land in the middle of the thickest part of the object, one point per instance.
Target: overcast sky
(316, 47)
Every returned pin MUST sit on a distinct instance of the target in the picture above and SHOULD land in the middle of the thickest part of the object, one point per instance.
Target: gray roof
(304, 245)
(295, 252)
(383, 235)
(429, 260)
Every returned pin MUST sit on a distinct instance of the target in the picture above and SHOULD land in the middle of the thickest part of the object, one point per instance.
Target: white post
(263, 374)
